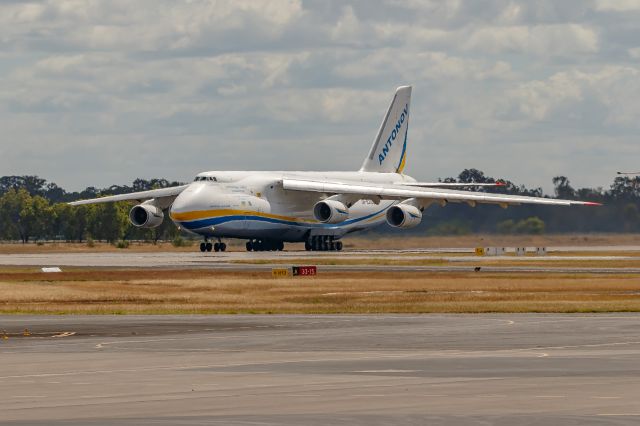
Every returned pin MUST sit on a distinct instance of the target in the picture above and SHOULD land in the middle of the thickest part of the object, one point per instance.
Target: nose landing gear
(322, 243)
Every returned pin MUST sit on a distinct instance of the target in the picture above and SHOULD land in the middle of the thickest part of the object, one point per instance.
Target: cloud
(618, 5)
(100, 92)
(540, 40)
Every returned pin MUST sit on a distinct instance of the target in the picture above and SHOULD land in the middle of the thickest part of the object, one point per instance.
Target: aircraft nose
(187, 201)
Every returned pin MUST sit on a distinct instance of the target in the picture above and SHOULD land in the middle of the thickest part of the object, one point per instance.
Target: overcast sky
(94, 93)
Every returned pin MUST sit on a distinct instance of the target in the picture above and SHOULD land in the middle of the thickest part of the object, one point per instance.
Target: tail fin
(389, 151)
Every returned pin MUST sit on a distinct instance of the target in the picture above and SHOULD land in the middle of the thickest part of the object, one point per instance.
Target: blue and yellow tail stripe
(403, 156)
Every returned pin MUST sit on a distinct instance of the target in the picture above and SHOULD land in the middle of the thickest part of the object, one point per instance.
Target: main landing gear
(322, 243)
(265, 245)
(207, 246)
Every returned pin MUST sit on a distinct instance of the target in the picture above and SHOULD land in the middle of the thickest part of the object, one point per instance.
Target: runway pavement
(229, 261)
(293, 370)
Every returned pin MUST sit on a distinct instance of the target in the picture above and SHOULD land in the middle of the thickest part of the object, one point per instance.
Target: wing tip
(591, 203)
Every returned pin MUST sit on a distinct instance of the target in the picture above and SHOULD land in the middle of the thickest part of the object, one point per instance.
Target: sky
(95, 93)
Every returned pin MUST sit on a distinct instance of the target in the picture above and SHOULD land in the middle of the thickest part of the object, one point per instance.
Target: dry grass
(193, 291)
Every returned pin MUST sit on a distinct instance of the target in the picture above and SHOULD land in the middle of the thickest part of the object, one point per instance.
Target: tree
(14, 203)
(107, 221)
(563, 188)
(631, 217)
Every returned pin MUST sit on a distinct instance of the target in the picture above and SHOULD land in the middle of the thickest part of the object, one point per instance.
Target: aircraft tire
(307, 245)
(203, 247)
(209, 246)
(216, 247)
(223, 247)
(339, 245)
(249, 246)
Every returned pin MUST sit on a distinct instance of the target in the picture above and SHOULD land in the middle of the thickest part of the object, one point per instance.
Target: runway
(345, 369)
(364, 260)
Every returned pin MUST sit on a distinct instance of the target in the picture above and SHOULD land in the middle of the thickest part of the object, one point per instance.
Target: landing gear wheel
(339, 245)
(223, 247)
(249, 246)
(208, 246)
(216, 247)
(307, 245)
(280, 245)
(203, 247)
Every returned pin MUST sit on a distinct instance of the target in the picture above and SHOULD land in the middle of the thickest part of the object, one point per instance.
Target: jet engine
(404, 216)
(330, 211)
(146, 216)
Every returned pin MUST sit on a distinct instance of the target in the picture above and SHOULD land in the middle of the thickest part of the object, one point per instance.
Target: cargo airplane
(318, 208)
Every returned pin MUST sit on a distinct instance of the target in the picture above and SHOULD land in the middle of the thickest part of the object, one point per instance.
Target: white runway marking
(65, 334)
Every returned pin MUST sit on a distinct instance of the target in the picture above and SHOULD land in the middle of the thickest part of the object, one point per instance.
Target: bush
(506, 226)
(178, 241)
(122, 244)
(90, 242)
(530, 225)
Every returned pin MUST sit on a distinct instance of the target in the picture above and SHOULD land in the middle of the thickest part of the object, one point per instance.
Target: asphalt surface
(230, 261)
(530, 369)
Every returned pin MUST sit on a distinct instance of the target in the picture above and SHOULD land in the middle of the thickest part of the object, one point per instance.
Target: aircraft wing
(398, 192)
(450, 184)
(171, 192)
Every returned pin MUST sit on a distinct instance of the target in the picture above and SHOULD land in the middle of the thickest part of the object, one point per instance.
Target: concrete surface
(530, 369)
(228, 261)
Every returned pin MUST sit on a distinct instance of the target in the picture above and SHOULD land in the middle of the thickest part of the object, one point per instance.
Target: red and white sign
(304, 270)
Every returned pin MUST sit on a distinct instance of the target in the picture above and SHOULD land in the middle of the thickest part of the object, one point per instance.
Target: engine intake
(330, 211)
(404, 216)
(146, 216)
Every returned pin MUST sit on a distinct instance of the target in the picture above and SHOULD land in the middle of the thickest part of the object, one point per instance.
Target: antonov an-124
(318, 208)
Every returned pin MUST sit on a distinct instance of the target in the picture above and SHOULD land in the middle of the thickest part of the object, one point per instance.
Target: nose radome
(188, 199)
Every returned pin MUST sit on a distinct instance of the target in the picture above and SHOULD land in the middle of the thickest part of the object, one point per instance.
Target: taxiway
(364, 260)
(351, 369)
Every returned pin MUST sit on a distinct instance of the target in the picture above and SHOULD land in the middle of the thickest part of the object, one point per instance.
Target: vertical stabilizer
(389, 151)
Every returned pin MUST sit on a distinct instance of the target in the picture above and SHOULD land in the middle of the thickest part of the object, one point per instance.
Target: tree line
(32, 208)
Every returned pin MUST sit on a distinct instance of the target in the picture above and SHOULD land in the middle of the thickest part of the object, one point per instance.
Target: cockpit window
(205, 178)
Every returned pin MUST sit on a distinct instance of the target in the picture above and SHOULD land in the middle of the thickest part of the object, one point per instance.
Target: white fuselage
(254, 205)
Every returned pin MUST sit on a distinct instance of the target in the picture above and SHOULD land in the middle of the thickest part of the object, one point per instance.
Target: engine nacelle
(330, 211)
(404, 216)
(146, 216)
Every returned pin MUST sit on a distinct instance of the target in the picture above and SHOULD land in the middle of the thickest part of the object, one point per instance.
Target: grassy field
(84, 291)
